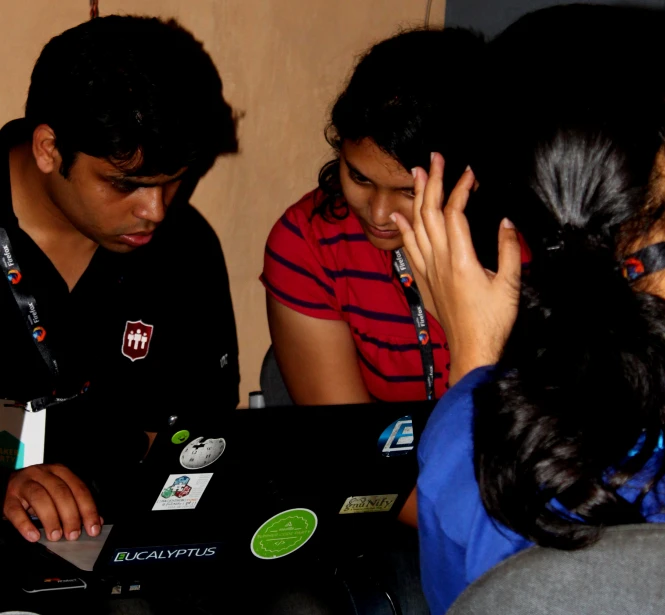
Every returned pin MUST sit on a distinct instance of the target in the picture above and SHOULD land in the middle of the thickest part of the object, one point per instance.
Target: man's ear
(44, 150)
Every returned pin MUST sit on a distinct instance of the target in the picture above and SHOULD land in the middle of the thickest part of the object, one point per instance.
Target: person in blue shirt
(554, 426)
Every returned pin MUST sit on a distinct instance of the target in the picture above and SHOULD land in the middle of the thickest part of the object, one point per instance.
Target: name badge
(22, 435)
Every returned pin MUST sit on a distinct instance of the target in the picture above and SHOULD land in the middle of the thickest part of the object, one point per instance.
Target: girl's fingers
(432, 207)
(510, 255)
(457, 226)
(420, 183)
(410, 243)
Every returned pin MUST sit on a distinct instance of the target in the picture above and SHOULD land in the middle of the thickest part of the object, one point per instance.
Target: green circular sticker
(180, 436)
(284, 533)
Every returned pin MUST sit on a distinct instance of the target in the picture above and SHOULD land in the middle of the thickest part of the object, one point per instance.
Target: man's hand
(57, 497)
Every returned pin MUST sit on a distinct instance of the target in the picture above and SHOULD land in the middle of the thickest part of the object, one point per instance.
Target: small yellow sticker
(368, 503)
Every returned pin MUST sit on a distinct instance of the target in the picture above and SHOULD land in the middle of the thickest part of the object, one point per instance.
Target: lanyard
(28, 306)
(417, 307)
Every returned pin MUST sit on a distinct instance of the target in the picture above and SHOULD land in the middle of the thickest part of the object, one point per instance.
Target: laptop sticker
(368, 503)
(397, 438)
(180, 437)
(200, 453)
(182, 492)
(169, 553)
(284, 533)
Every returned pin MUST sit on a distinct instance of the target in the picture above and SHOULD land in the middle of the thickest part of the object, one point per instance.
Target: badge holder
(22, 434)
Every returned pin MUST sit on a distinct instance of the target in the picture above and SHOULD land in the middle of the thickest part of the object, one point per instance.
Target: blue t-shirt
(459, 541)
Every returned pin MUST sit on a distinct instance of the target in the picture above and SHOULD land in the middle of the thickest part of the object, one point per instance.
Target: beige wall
(282, 62)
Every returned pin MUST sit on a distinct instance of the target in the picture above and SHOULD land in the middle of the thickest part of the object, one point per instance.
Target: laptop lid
(229, 487)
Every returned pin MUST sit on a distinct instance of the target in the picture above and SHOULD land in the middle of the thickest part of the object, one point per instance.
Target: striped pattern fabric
(330, 270)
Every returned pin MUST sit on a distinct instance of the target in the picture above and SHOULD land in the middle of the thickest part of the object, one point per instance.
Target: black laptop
(265, 490)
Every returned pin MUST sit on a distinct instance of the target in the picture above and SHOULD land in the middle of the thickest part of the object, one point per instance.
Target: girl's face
(375, 185)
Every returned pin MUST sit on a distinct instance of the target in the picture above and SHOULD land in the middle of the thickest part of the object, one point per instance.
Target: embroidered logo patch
(136, 340)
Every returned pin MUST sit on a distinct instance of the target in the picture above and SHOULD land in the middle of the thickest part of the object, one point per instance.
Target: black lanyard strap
(26, 302)
(28, 306)
(419, 316)
(643, 262)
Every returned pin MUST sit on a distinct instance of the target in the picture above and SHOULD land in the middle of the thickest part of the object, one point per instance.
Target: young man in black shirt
(115, 310)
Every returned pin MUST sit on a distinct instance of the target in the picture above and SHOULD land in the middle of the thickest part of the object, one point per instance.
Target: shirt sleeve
(458, 539)
(294, 271)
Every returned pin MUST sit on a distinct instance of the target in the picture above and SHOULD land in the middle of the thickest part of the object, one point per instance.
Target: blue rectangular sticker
(170, 553)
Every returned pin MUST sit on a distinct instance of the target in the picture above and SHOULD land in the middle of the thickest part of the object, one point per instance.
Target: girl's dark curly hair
(411, 95)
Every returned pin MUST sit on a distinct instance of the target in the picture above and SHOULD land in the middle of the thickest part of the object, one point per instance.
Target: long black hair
(582, 376)
(411, 94)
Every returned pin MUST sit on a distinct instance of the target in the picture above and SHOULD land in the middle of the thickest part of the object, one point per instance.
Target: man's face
(117, 211)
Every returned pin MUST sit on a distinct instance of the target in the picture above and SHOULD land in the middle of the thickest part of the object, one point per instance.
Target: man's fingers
(40, 500)
(510, 254)
(19, 518)
(410, 243)
(83, 508)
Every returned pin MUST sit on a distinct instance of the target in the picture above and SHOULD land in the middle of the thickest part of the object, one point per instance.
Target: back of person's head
(585, 64)
(138, 91)
(582, 377)
(411, 95)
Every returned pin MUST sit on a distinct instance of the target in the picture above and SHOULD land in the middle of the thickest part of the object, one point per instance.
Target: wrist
(462, 365)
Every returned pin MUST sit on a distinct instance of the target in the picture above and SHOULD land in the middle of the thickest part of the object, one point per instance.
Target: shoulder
(184, 245)
(445, 452)
(303, 221)
(449, 501)
(187, 226)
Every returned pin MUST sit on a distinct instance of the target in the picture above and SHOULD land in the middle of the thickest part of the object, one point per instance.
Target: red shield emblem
(136, 340)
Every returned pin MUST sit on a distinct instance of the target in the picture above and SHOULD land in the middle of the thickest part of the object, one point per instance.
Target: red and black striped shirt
(330, 270)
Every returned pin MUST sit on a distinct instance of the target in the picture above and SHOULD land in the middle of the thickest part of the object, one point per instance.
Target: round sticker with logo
(397, 439)
(284, 533)
(180, 436)
(200, 453)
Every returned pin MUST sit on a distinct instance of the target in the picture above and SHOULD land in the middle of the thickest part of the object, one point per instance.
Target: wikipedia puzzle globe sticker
(284, 533)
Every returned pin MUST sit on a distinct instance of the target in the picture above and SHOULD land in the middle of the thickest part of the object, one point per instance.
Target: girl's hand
(477, 308)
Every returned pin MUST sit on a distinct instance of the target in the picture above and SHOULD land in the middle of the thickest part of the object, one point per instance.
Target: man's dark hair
(137, 91)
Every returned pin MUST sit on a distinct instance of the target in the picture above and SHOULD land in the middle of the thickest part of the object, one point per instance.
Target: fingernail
(468, 168)
(414, 172)
(431, 156)
(94, 530)
(33, 536)
(393, 217)
(101, 520)
(56, 535)
(74, 535)
(507, 223)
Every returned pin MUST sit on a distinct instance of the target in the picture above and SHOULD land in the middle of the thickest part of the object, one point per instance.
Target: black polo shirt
(152, 331)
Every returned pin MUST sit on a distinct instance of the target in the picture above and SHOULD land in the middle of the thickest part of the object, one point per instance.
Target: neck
(39, 217)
